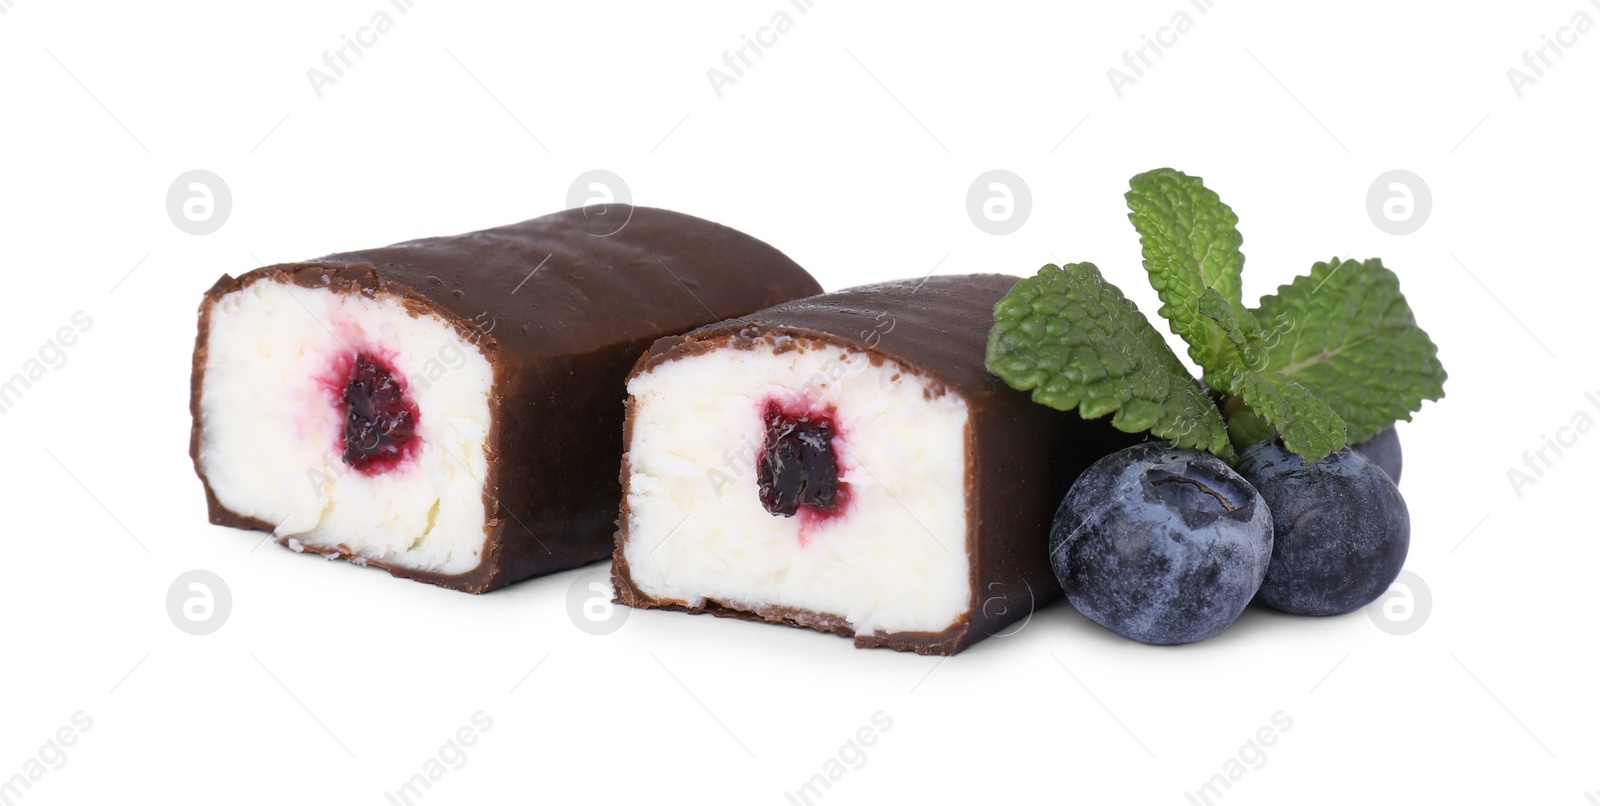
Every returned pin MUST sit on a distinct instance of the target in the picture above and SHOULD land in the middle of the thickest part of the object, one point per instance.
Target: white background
(850, 145)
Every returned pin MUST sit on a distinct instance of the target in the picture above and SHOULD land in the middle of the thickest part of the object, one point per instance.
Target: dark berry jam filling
(797, 470)
(380, 424)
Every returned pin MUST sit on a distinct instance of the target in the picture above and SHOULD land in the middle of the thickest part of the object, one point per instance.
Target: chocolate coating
(1021, 456)
(561, 306)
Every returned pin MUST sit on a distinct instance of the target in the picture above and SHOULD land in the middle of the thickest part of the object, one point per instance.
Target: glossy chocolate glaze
(1021, 456)
(561, 306)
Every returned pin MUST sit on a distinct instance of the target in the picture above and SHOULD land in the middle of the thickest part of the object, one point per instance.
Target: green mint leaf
(1346, 333)
(1237, 323)
(1245, 427)
(1190, 241)
(1076, 342)
(1309, 426)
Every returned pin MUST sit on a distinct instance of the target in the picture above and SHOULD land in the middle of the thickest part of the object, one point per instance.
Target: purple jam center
(380, 427)
(797, 469)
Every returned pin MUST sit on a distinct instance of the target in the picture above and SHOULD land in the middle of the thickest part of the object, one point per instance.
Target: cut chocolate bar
(450, 409)
(845, 462)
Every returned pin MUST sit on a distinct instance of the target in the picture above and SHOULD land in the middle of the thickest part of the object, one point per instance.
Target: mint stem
(1231, 406)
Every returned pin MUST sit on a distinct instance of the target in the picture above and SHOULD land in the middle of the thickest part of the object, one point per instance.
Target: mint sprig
(1076, 342)
(1191, 251)
(1332, 358)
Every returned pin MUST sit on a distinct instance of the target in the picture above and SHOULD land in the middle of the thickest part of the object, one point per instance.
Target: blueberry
(1160, 544)
(1383, 449)
(1341, 529)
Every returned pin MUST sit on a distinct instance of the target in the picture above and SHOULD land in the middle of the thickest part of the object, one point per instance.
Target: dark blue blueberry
(1383, 449)
(1341, 529)
(1163, 545)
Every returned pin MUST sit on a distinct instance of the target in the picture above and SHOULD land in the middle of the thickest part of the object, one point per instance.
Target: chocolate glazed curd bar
(449, 409)
(845, 462)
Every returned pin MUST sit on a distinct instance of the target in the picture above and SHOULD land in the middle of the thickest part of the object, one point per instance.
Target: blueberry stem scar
(1197, 485)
